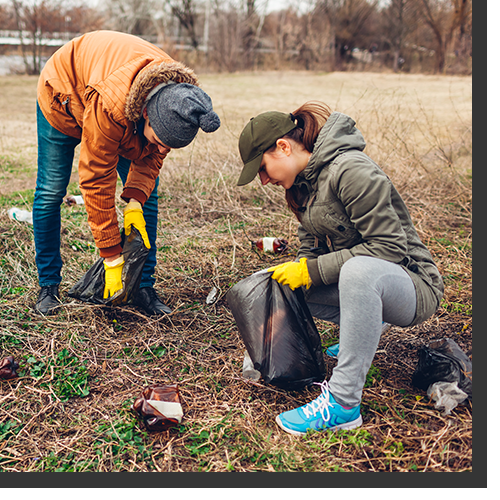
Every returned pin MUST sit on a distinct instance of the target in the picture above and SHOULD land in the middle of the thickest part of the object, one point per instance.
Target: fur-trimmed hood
(151, 76)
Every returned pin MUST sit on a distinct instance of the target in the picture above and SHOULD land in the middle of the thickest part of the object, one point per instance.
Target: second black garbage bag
(278, 331)
(443, 361)
(90, 287)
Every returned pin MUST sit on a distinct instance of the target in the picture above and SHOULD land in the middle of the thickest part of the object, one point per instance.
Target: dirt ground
(204, 236)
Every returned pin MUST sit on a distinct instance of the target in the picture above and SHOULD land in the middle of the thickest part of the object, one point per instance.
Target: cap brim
(250, 170)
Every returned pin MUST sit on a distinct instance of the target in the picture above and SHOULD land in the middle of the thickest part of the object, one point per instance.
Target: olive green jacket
(352, 208)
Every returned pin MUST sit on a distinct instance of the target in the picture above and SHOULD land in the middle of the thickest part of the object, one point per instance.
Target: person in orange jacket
(127, 103)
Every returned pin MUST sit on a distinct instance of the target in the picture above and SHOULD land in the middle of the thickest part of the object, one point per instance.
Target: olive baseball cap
(261, 133)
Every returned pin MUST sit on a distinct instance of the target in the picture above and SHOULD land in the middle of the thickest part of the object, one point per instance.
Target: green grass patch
(66, 375)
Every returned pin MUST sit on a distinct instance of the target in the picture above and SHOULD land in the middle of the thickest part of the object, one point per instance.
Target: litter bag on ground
(278, 331)
(443, 361)
(90, 287)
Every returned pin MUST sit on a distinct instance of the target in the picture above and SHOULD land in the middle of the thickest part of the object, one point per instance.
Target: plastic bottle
(273, 245)
(21, 215)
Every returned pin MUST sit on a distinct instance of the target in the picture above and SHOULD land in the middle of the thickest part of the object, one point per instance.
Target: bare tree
(225, 38)
(445, 18)
(251, 31)
(36, 19)
(129, 16)
(346, 21)
(285, 31)
(398, 20)
(186, 12)
(309, 44)
(80, 18)
(162, 22)
(7, 18)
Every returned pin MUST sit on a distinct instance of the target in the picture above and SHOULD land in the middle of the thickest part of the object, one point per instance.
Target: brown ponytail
(310, 117)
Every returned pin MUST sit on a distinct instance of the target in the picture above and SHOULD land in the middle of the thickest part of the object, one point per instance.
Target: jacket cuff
(134, 193)
(313, 270)
(109, 252)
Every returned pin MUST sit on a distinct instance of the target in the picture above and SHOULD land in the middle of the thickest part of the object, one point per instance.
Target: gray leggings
(369, 291)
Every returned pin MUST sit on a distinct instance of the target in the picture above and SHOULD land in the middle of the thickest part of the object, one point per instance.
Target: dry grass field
(80, 371)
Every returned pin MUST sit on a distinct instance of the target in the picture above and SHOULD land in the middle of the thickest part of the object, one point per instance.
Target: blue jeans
(55, 160)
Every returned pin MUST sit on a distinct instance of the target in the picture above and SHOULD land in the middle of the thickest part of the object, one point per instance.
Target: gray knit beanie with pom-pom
(176, 112)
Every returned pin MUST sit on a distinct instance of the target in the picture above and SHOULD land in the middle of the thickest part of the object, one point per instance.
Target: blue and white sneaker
(333, 351)
(319, 415)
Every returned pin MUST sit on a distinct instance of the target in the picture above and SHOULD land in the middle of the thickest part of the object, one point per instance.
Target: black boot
(48, 300)
(148, 299)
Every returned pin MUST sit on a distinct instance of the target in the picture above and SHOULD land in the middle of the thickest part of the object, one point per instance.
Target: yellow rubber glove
(293, 274)
(133, 216)
(113, 277)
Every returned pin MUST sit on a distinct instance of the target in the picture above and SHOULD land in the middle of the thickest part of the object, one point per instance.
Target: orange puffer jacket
(94, 88)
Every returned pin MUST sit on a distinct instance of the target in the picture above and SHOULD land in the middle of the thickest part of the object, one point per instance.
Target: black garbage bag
(278, 331)
(90, 287)
(443, 361)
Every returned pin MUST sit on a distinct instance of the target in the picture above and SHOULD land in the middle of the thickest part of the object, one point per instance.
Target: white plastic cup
(21, 215)
(249, 370)
(74, 200)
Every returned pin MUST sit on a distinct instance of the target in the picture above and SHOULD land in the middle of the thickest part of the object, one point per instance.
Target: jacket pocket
(341, 231)
(66, 103)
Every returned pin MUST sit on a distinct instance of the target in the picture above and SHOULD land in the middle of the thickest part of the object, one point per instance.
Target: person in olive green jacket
(361, 261)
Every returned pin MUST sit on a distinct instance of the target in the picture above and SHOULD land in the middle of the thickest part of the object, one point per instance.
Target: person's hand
(133, 216)
(293, 274)
(113, 276)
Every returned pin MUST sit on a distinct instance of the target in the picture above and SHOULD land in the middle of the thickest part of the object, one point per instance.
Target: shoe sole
(49, 312)
(347, 426)
(154, 313)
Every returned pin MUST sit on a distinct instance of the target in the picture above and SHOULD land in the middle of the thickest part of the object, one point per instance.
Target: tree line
(430, 36)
